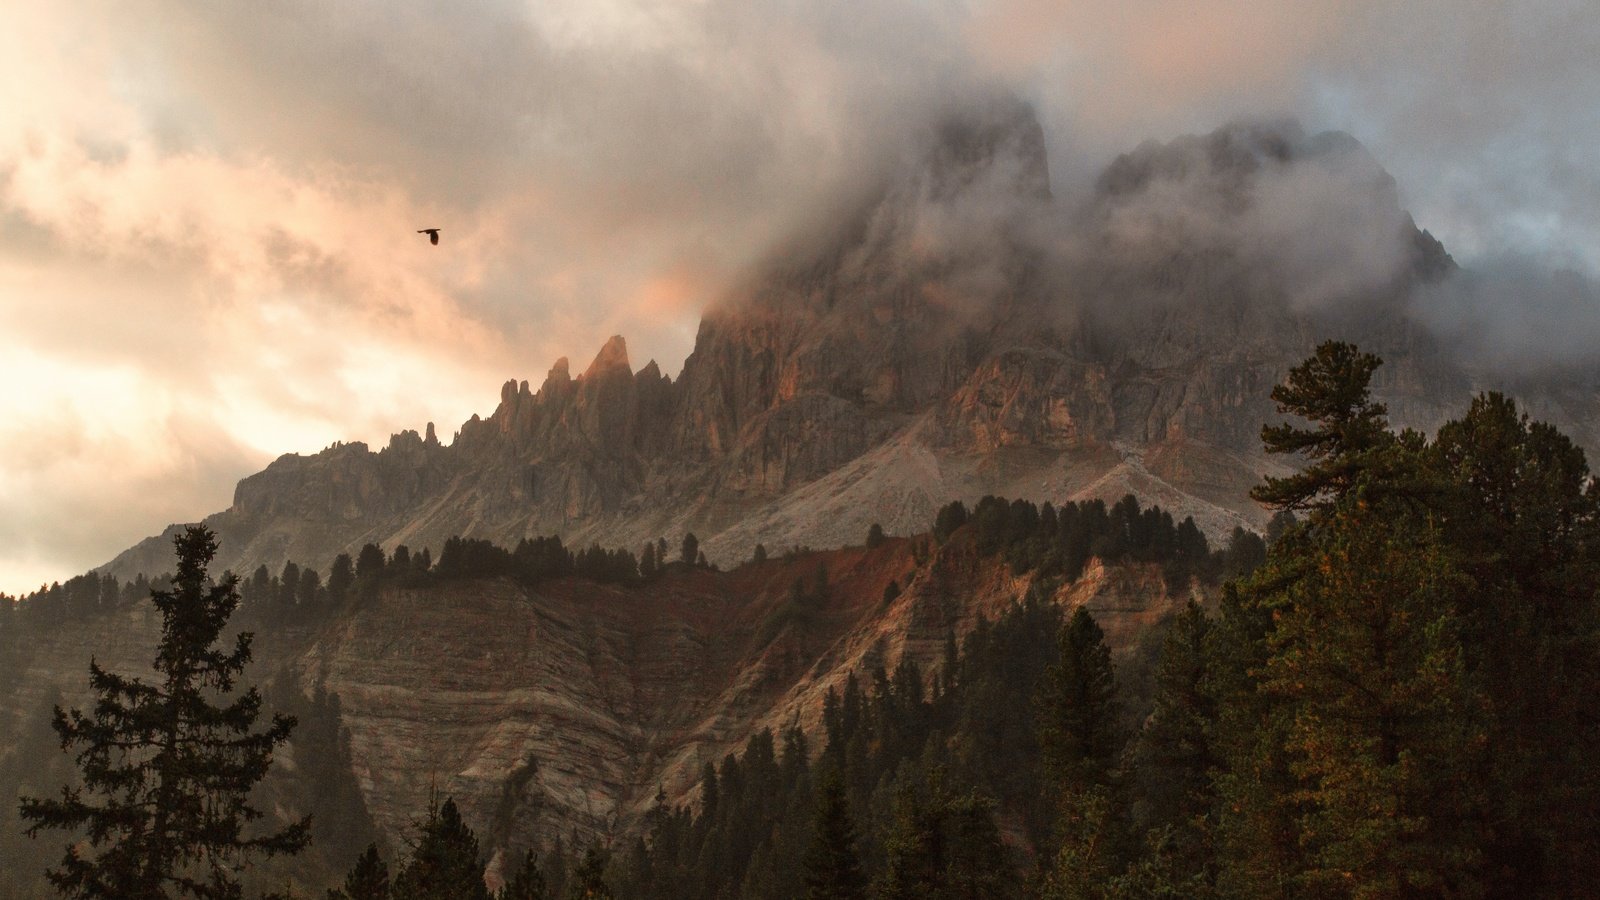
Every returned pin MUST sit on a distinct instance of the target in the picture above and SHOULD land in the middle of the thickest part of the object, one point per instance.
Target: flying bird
(432, 233)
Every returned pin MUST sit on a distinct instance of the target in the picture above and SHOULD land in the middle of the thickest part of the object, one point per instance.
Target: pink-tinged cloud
(207, 210)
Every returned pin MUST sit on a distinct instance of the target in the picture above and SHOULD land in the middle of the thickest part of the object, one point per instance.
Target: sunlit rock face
(562, 708)
(955, 331)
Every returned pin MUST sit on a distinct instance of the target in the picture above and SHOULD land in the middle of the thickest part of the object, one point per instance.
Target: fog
(207, 212)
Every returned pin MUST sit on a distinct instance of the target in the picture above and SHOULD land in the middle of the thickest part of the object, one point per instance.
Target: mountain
(561, 708)
(954, 332)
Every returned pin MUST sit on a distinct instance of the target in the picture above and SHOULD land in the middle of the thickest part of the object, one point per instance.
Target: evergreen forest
(1390, 696)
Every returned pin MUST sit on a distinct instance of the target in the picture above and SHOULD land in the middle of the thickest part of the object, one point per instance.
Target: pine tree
(527, 883)
(980, 865)
(589, 878)
(340, 577)
(325, 784)
(1078, 707)
(1351, 725)
(1078, 737)
(368, 880)
(875, 536)
(445, 864)
(1384, 723)
(943, 847)
(1524, 518)
(166, 772)
(833, 870)
(647, 562)
(1086, 860)
(1174, 756)
(1256, 822)
(1331, 391)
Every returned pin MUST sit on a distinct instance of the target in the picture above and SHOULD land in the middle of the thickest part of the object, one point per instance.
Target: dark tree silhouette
(833, 870)
(445, 864)
(369, 880)
(1330, 390)
(167, 773)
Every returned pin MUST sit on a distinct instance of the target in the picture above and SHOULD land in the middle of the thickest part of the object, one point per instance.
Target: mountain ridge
(957, 335)
(613, 692)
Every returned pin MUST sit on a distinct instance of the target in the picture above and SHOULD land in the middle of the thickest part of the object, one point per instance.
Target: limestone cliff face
(561, 708)
(955, 333)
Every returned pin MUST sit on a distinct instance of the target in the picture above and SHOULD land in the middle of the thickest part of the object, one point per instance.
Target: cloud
(1517, 314)
(1313, 219)
(207, 209)
(88, 457)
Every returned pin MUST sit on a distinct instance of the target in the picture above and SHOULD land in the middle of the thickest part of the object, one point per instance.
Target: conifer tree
(341, 575)
(167, 768)
(875, 536)
(528, 882)
(1524, 518)
(589, 878)
(1331, 391)
(1384, 721)
(980, 865)
(1351, 724)
(832, 868)
(1085, 861)
(445, 863)
(1174, 755)
(1256, 831)
(1078, 737)
(1078, 707)
(943, 847)
(368, 879)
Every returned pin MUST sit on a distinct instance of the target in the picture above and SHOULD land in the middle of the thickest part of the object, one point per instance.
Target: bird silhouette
(432, 233)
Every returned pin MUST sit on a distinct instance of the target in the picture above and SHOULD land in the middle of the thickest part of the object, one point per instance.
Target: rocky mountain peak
(934, 348)
(1002, 137)
(612, 357)
(1233, 152)
(558, 379)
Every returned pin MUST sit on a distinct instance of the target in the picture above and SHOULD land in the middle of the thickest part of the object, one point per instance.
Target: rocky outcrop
(955, 333)
(562, 708)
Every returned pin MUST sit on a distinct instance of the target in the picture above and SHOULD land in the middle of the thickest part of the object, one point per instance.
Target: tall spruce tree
(528, 882)
(944, 846)
(1078, 707)
(1524, 520)
(832, 868)
(1086, 861)
(1078, 735)
(167, 768)
(1174, 756)
(445, 863)
(589, 878)
(1256, 835)
(1384, 724)
(1351, 726)
(368, 879)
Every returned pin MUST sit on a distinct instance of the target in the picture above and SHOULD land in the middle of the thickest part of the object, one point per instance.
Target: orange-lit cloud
(207, 211)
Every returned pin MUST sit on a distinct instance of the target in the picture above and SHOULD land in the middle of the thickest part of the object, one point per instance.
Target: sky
(208, 253)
